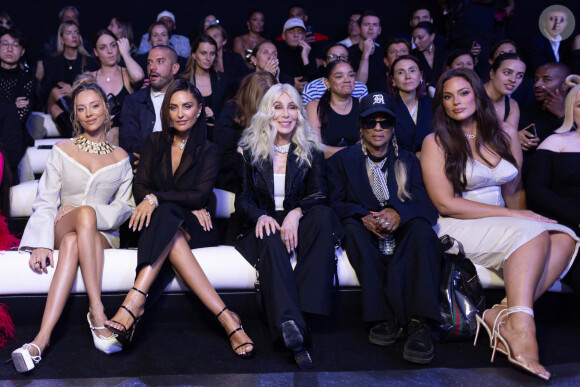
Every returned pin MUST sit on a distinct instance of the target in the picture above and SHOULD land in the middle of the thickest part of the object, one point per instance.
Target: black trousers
(165, 221)
(402, 285)
(308, 288)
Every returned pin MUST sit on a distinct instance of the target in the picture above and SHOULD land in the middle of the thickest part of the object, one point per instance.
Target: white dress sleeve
(111, 216)
(39, 231)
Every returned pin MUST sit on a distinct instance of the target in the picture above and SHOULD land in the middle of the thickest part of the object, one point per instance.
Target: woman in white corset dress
(471, 166)
(83, 196)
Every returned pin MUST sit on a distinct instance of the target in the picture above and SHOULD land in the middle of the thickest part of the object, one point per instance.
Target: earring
(431, 47)
(421, 82)
(198, 114)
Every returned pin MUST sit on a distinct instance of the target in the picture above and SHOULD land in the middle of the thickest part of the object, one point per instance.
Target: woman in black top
(57, 73)
(553, 190)
(431, 56)
(334, 117)
(280, 206)
(173, 185)
(201, 71)
(412, 105)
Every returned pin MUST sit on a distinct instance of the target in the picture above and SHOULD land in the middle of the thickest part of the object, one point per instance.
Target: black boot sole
(294, 340)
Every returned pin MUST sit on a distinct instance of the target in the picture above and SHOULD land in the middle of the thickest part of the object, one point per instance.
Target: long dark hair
(502, 58)
(451, 139)
(167, 129)
(324, 103)
(96, 38)
(249, 95)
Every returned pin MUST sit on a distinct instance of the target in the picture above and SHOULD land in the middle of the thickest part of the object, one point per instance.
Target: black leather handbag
(461, 295)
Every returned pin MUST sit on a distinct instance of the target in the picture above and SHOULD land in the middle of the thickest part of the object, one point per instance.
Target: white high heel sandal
(23, 360)
(498, 336)
(104, 344)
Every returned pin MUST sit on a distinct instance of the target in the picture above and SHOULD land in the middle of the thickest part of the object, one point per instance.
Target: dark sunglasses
(369, 123)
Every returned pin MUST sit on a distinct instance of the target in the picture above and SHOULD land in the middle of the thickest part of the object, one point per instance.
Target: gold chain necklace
(100, 148)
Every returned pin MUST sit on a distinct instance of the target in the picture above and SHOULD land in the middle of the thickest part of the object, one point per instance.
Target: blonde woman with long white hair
(282, 212)
(552, 189)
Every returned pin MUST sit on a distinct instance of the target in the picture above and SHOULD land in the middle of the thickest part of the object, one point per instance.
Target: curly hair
(451, 139)
(259, 137)
(573, 83)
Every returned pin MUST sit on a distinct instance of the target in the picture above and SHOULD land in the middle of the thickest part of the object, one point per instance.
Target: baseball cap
(166, 14)
(293, 23)
(376, 102)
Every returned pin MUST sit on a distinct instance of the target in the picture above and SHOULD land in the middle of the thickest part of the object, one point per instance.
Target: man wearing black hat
(377, 191)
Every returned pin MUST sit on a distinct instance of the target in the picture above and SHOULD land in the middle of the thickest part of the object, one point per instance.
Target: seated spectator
(506, 75)
(459, 59)
(353, 29)
(389, 237)
(395, 48)
(245, 44)
(540, 118)
(178, 42)
(214, 86)
(294, 53)
(84, 195)
(50, 47)
(159, 35)
(227, 61)
(12, 137)
(553, 190)
(115, 80)
(208, 20)
(431, 56)
(471, 167)
(173, 187)
(412, 106)
(265, 58)
(314, 89)
(523, 94)
(141, 111)
(16, 84)
(5, 20)
(280, 147)
(236, 116)
(367, 56)
(60, 71)
(421, 13)
(122, 28)
(334, 117)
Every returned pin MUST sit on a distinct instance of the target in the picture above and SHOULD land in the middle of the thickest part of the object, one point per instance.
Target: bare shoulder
(430, 142)
(65, 145)
(312, 105)
(557, 142)
(119, 154)
(509, 129)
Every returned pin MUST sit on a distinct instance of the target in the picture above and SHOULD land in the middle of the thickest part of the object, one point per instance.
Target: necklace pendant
(108, 79)
(182, 145)
(282, 149)
(70, 67)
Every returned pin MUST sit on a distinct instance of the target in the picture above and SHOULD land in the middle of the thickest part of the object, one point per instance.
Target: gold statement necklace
(99, 148)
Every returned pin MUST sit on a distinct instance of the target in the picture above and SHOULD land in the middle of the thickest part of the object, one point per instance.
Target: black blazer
(351, 195)
(305, 187)
(409, 135)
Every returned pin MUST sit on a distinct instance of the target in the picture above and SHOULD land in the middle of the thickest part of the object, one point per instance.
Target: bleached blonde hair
(259, 137)
(573, 83)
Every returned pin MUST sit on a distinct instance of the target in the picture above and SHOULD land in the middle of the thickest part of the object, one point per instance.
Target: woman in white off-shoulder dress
(83, 197)
(471, 166)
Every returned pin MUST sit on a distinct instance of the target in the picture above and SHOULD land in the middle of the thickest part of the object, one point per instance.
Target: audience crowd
(380, 148)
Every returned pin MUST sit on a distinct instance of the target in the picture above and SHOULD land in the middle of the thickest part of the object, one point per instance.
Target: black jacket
(351, 195)
(137, 120)
(409, 135)
(304, 187)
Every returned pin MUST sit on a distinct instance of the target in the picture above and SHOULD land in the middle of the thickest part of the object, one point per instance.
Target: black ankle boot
(293, 338)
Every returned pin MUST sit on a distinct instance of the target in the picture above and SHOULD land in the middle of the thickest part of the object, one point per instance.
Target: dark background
(38, 19)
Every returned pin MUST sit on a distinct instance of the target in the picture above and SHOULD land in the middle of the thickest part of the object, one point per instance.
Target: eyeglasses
(369, 123)
(333, 57)
(209, 22)
(15, 45)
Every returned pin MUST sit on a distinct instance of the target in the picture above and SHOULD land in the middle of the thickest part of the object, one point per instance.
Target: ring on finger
(37, 263)
(387, 224)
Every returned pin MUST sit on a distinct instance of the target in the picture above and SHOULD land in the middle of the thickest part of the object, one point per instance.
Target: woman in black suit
(280, 203)
(173, 185)
(412, 105)
(377, 191)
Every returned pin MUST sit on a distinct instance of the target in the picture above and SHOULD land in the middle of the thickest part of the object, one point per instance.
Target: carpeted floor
(178, 342)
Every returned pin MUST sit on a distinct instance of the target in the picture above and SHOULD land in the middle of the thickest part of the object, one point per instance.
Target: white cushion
(21, 198)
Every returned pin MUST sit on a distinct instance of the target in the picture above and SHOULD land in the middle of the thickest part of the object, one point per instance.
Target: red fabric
(7, 240)
(6, 327)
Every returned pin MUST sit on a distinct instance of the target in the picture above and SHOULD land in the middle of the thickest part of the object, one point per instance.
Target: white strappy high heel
(104, 344)
(23, 360)
(498, 336)
(490, 332)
